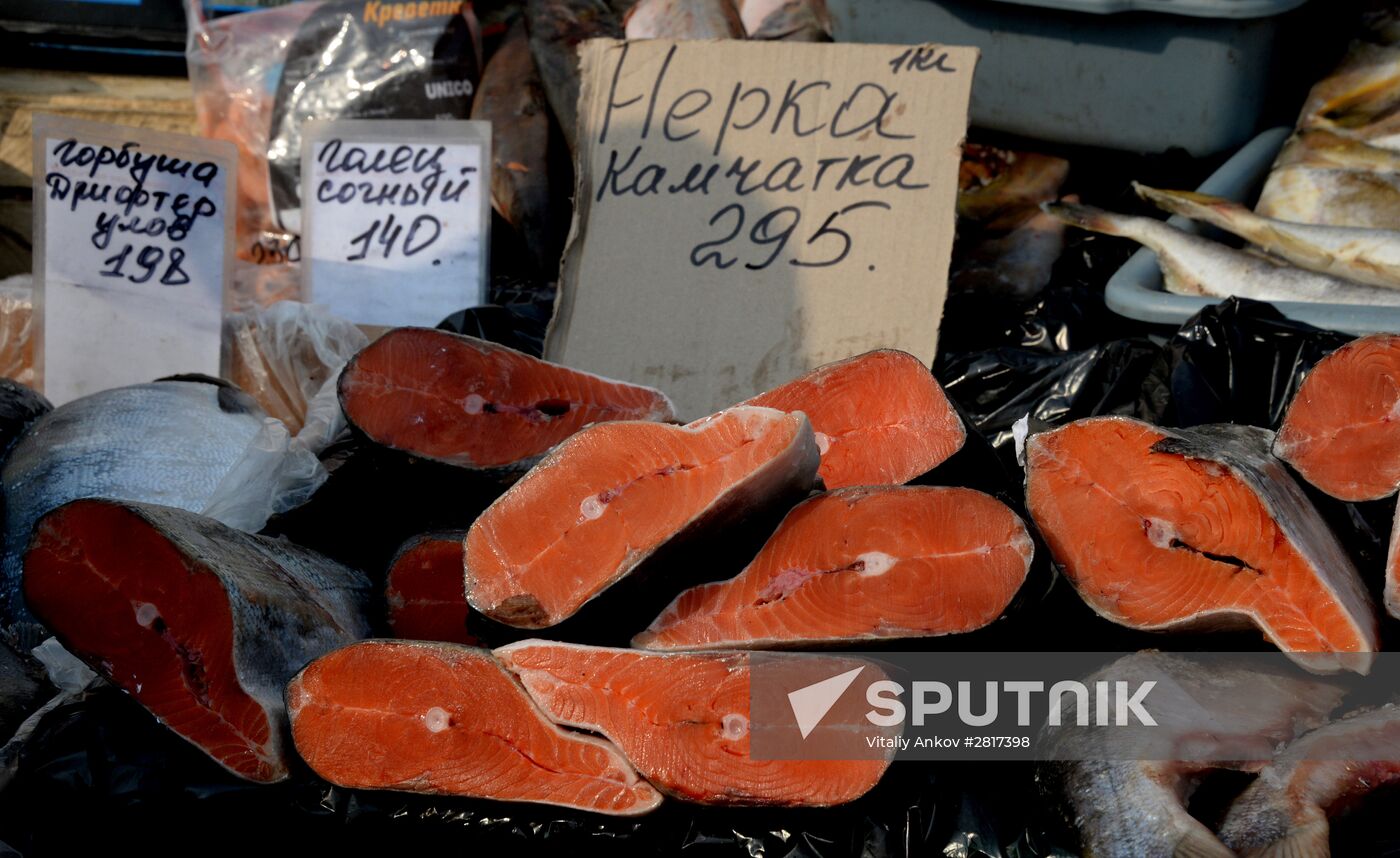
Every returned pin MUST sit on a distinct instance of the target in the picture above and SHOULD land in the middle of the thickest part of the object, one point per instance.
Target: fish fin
(1305, 841)
(1189, 204)
(1198, 842)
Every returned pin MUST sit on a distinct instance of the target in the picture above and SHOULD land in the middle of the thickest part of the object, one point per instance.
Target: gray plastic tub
(1136, 290)
(1138, 75)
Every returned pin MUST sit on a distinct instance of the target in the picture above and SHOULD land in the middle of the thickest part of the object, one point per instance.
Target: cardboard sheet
(746, 211)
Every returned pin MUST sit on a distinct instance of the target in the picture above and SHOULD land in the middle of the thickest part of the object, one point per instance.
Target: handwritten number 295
(775, 229)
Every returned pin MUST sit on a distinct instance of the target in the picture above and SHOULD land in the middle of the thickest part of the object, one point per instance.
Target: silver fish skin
(287, 606)
(1284, 813)
(1192, 265)
(1128, 808)
(167, 442)
(1360, 254)
(683, 19)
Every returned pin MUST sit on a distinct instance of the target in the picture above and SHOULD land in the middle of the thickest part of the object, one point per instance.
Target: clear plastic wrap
(284, 356)
(257, 76)
(16, 323)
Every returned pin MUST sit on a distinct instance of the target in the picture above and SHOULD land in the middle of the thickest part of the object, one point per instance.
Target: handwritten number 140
(422, 232)
(829, 243)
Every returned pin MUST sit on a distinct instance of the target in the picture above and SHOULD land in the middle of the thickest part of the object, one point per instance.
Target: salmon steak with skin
(1342, 432)
(200, 623)
(614, 494)
(880, 418)
(683, 720)
(1342, 429)
(1162, 529)
(424, 590)
(858, 564)
(475, 404)
(445, 719)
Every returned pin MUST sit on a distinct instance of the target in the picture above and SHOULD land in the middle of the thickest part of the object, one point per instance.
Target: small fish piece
(475, 404)
(1192, 265)
(1000, 189)
(200, 623)
(683, 19)
(445, 719)
(1162, 529)
(1340, 431)
(683, 720)
(880, 418)
(1284, 813)
(557, 27)
(786, 20)
(168, 442)
(512, 98)
(1370, 256)
(424, 590)
(1016, 266)
(1231, 717)
(860, 564)
(614, 494)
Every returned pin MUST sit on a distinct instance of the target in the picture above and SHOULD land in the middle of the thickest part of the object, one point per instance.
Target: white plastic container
(1136, 290)
(1138, 75)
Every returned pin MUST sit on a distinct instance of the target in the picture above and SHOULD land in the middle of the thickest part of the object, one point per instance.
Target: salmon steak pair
(447, 719)
(879, 418)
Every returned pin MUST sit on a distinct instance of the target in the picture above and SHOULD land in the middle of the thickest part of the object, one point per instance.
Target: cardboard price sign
(395, 218)
(746, 211)
(132, 251)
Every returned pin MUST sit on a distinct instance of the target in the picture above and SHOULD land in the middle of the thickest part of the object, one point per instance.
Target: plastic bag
(285, 356)
(16, 323)
(259, 75)
(288, 357)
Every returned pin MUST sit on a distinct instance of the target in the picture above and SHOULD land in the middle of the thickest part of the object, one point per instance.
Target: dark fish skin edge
(557, 27)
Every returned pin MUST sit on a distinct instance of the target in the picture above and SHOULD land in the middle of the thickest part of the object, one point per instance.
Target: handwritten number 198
(149, 261)
(775, 229)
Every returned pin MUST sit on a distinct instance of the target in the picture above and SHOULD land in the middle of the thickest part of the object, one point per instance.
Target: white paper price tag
(395, 218)
(132, 251)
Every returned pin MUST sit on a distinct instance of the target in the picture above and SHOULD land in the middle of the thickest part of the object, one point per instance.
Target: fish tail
(1305, 841)
(1198, 842)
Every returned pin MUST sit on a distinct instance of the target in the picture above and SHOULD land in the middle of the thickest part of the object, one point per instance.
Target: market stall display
(421, 589)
